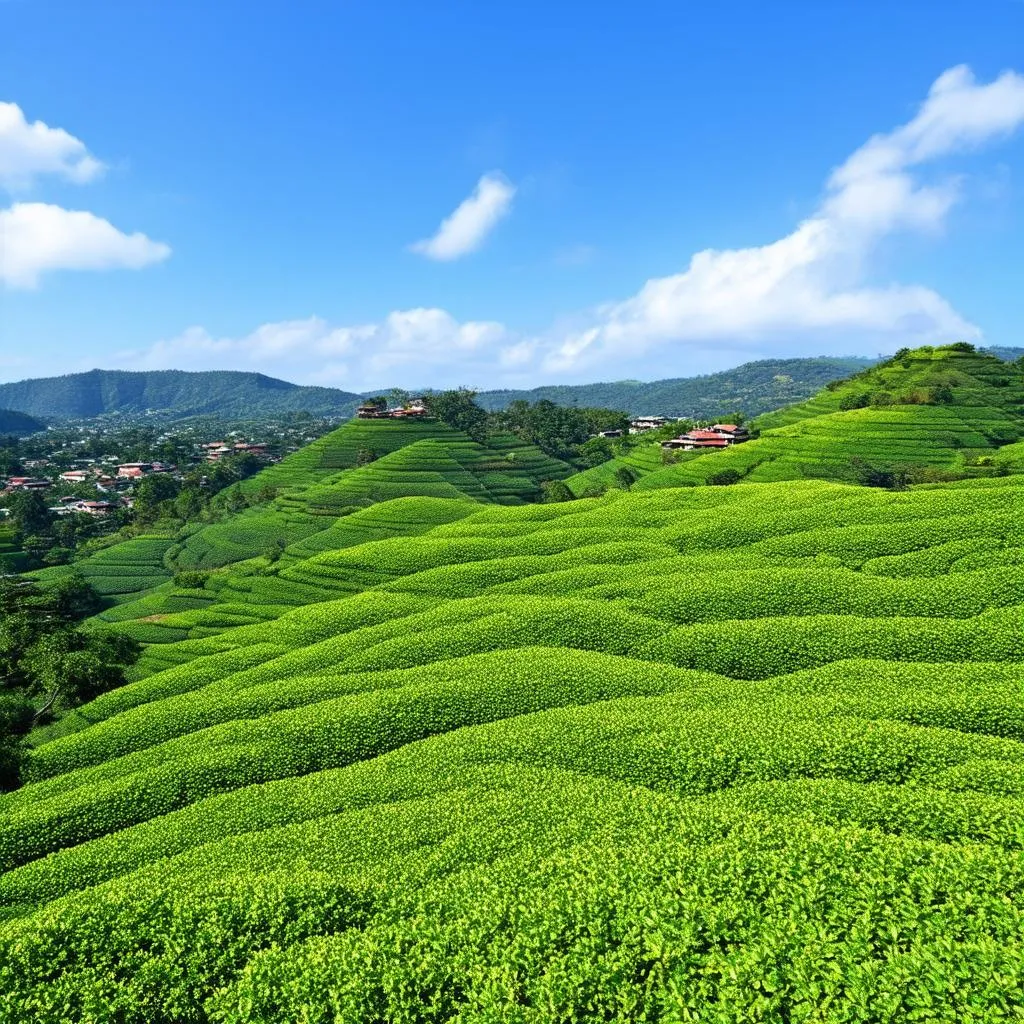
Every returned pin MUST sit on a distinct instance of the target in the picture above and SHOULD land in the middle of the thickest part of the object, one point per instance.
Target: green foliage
(756, 387)
(221, 392)
(555, 490)
(562, 431)
(457, 408)
(664, 754)
(19, 424)
(725, 477)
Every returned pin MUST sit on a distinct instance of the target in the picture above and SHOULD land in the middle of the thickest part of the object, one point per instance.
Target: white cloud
(28, 150)
(812, 290)
(412, 345)
(474, 218)
(38, 237)
(814, 283)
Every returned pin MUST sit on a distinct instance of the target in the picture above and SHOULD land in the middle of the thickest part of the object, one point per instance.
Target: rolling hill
(941, 408)
(753, 387)
(177, 393)
(715, 738)
(312, 488)
(19, 423)
(756, 387)
(683, 753)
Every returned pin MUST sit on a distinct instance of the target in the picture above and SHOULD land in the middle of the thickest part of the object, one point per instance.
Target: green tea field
(677, 754)
(625, 758)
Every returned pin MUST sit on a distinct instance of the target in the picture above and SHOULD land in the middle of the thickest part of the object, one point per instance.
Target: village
(99, 487)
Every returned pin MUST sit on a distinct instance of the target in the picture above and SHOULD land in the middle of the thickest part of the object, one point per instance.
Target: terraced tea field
(706, 754)
(982, 411)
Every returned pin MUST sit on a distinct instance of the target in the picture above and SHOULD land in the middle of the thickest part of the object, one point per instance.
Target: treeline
(47, 663)
(564, 432)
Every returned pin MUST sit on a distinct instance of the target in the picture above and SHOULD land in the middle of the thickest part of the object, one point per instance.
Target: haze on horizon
(641, 192)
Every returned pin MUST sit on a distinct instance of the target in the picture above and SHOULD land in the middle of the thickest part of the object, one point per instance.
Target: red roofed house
(737, 434)
(27, 483)
(699, 438)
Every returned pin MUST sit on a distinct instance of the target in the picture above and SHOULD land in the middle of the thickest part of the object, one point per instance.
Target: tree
(854, 400)
(189, 503)
(29, 513)
(398, 397)
(562, 431)
(72, 598)
(555, 490)
(893, 478)
(150, 495)
(625, 477)
(46, 663)
(365, 456)
(458, 409)
(595, 451)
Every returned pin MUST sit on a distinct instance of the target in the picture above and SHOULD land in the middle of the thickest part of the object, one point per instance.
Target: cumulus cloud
(811, 290)
(474, 218)
(814, 283)
(429, 342)
(28, 150)
(39, 237)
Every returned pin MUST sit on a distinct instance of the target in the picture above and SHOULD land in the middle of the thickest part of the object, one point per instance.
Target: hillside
(447, 755)
(310, 490)
(19, 423)
(171, 392)
(753, 387)
(939, 408)
(715, 738)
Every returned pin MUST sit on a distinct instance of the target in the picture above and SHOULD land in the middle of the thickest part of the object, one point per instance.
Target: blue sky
(367, 194)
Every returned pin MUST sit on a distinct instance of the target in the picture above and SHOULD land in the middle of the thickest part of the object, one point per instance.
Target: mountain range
(755, 387)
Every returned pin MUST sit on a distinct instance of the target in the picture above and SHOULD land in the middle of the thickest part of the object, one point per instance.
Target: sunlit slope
(760, 747)
(120, 572)
(945, 406)
(639, 461)
(314, 488)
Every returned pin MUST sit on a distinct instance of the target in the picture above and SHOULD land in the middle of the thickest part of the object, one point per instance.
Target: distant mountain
(1004, 352)
(752, 388)
(18, 423)
(177, 393)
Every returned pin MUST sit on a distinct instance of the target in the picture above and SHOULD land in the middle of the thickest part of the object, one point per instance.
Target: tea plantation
(750, 753)
(941, 408)
(675, 754)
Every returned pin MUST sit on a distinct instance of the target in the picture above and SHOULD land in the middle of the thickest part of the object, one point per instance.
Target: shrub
(725, 477)
(191, 579)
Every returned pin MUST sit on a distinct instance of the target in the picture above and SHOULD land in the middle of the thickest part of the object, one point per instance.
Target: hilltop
(178, 393)
(947, 409)
(754, 387)
(315, 492)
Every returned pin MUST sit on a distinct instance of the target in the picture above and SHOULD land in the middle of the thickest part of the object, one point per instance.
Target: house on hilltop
(721, 435)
